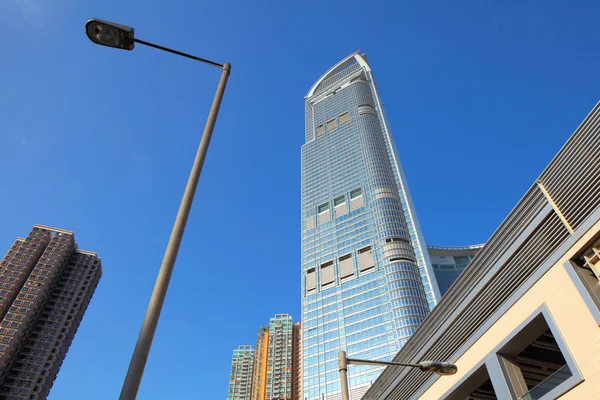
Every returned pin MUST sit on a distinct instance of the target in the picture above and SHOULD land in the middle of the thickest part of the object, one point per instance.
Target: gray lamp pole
(343, 367)
(118, 36)
(441, 368)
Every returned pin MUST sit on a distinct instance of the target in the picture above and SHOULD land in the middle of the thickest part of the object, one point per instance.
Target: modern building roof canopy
(353, 58)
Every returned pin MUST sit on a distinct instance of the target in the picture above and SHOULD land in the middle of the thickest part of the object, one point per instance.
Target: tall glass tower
(367, 282)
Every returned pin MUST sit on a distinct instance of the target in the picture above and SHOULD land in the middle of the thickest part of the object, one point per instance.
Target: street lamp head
(110, 34)
(440, 368)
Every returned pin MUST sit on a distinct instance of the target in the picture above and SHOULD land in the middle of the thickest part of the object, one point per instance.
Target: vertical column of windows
(62, 314)
(19, 318)
(18, 263)
(241, 372)
(40, 322)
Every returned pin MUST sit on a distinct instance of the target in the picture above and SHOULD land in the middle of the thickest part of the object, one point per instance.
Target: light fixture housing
(110, 34)
(440, 368)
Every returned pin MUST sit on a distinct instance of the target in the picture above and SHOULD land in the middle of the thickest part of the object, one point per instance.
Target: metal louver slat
(571, 178)
(562, 189)
(569, 147)
(571, 161)
(513, 273)
(575, 165)
(570, 199)
(582, 212)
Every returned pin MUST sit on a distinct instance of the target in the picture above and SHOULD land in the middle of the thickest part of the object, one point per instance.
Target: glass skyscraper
(367, 282)
(449, 262)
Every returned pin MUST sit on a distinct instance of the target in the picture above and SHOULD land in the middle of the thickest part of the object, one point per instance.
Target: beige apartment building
(523, 320)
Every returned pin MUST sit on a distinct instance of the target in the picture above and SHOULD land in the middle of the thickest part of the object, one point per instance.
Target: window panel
(331, 125)
(365, 259)
(320, 131)
(344, 118)
(346, 266)
(324, 214)
(311, 281)
(327, 273)
(357, 200)
(340, 207)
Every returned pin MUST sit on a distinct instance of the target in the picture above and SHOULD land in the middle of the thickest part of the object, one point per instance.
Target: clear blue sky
(480, 96)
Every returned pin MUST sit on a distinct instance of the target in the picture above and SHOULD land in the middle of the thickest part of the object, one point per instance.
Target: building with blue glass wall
(367, 281)
(449, 262)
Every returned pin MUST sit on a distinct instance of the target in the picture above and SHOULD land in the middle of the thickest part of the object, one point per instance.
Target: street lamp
(121, 37)
(440, 368)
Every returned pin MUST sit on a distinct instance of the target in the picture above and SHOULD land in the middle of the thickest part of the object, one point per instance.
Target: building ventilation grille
(573, 178)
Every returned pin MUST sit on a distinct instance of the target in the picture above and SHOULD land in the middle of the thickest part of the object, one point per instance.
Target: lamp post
(441, 368)
(122, 37)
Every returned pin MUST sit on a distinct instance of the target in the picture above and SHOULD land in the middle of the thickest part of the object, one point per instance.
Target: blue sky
(480, 96)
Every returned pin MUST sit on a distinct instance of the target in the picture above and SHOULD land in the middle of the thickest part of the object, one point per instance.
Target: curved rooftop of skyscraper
(323, 82)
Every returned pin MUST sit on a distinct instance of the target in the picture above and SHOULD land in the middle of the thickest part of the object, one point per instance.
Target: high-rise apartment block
(259, 378)
(276, 370)
(240, 377)
(275, 352)
(297, 362)
(46, 284)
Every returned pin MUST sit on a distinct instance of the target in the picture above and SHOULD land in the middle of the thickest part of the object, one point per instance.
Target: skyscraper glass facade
(449, 262)
(367, 281)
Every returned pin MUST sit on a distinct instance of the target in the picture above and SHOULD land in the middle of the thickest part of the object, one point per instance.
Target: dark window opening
(542, 365)
(477, 386)
(533, 362)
